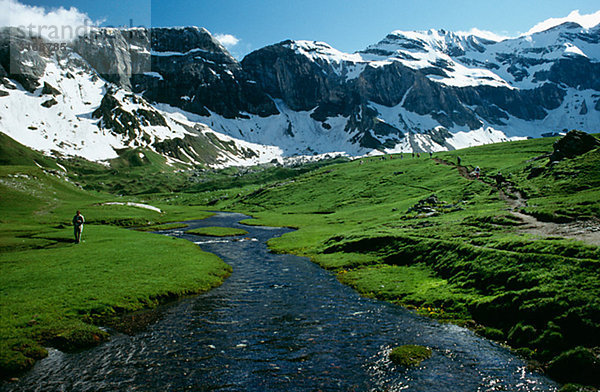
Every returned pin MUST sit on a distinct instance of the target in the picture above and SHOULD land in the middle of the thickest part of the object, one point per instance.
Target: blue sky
(347, 25)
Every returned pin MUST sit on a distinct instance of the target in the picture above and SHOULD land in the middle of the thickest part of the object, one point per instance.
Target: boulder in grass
(573, 144)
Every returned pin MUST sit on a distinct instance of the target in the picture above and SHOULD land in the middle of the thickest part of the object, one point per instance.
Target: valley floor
(502, 257)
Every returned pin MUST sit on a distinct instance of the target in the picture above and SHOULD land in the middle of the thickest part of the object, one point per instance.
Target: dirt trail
(586, 231)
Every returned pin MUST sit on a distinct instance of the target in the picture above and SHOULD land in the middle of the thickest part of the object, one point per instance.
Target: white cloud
(586, 21)
(227, 40)
(58, 24)
(485, 34)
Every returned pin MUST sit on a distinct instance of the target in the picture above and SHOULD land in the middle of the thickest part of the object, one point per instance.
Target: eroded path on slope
(586, 231)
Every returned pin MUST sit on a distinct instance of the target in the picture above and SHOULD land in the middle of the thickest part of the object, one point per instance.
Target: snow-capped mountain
(179, 92)
(58, 103)
(458, 89)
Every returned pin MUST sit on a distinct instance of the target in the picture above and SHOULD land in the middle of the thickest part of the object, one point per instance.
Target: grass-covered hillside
(52, 291)
(425, 233)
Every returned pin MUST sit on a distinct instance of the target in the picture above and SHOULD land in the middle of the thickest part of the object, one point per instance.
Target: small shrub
(491, 333)
(521, 335)
(578, 365)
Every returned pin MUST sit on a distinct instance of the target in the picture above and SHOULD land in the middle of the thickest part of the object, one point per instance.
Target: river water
(281, 323)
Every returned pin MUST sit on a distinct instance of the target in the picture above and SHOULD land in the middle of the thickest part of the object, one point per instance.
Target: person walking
(78, 221)
(477, 171)
(499, 179)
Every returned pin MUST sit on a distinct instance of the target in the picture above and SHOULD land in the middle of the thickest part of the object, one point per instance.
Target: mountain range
(179, 92)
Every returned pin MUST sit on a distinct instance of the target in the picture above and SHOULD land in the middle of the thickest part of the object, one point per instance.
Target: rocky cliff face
(417, 82)
(458, 82)
(182, 67)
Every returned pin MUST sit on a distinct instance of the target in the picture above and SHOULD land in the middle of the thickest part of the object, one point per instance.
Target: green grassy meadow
(54, 292)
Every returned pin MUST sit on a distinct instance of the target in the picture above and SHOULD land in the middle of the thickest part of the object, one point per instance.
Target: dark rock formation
(23, 66)
(303, 84)
(573, 72)
(573, 144)
(120, 121)
(116, 54)
(183, 67)
(49, 90)
(49, 103)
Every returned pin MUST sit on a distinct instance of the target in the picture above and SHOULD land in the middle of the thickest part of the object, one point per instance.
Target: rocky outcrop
(22, 64)
(494, 104)
(183, 67)
(49, 103)
(573, 144)
(116, 54)
(300, 82)
(114, 115)
(49, 90)
(192, 70)
(573, 72)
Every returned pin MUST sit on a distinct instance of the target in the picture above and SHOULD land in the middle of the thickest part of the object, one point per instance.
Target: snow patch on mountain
(66, 126)
(343, 64)
(468, 60)
(295, 133)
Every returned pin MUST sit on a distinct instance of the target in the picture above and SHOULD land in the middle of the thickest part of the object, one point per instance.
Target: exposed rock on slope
(183, 67)
(573, 144)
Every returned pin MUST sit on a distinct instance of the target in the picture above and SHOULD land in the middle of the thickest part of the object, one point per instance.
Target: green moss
(577, 388)
(522, 335)
(491, 333)
(578, 365)
(217, 231)
(525, 352)
(409, 355)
